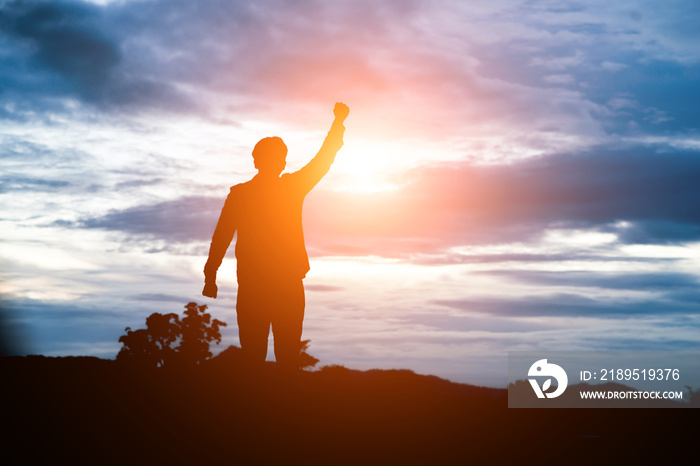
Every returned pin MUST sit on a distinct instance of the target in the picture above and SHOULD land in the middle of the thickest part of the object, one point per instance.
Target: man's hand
(341, 111)
(210, 290)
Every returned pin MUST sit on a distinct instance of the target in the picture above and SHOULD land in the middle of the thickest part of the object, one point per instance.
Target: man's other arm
(220, 241)
(317, 168)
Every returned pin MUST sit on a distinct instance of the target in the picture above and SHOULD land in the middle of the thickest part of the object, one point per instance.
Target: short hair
(268, 148)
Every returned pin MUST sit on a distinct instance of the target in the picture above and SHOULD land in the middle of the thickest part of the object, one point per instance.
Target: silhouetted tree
(154, 345)
(305, 359)
(151, 346)
(197, 330)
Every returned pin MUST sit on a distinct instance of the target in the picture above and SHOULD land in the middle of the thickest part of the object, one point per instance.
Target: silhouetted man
(270, 250)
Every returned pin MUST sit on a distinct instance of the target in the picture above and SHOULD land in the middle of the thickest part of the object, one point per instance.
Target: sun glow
(374, 166)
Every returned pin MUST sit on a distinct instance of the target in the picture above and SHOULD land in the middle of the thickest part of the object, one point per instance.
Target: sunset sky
(516, 175)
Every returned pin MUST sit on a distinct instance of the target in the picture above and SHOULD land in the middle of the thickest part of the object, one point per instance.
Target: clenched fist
(210, 290)
(341, 111)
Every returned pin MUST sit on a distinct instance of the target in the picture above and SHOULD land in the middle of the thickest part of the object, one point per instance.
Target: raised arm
(317, 168)
(220, 241)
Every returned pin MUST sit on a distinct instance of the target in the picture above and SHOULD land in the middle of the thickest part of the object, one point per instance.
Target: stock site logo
(542, 368)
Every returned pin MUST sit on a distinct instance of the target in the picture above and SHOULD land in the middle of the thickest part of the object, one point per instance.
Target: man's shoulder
(292, 180)
(236, 194)
(240, 187)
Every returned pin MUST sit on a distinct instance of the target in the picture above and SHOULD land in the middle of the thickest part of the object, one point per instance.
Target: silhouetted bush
(306, 361)
(154, 345)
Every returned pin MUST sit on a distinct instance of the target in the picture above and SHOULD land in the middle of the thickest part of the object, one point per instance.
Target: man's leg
(287, 322)
(253, 315)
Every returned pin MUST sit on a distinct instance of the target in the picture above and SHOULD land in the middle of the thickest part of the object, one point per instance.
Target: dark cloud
(642, 195)
(22, 183)
(61, 313)
(276, 58)
(444, 258)
(444, 321)
(657, 231)
(71, 49)
(44, 326)
(641, 344)
(64, 38)
(575, 305)
(181, 220)
(142, 55)
(673, 283)
(13, 335)
(668, 294)
(66, 41)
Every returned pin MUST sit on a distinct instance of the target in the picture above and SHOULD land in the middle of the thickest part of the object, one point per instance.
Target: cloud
(160, 297)
(575, 305)
(672, 283)
(559, 79)
(640, 195)
(181, 220)
(559, 63)
(455, 257)
(14, 183)
(612, 66)
(641, 344)
(64, 43)
(62, 38)
(468, 69)
(324, 288)
(62, 51)
(45, 327)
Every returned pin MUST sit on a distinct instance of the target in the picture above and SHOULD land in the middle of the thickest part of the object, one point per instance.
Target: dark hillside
(84, 410)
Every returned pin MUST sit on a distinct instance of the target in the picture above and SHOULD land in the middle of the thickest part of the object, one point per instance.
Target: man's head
(270, 156)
